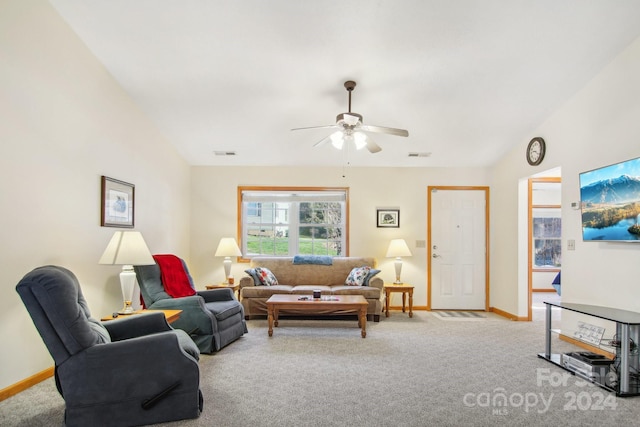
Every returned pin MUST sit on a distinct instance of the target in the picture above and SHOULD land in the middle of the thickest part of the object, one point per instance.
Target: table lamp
(398, 248)
(127, 248)
(227, 248)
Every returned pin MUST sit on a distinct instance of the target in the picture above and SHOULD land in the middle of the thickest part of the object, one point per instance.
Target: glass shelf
(627, 331)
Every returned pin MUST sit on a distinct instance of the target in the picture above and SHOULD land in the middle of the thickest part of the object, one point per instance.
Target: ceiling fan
(351, 128)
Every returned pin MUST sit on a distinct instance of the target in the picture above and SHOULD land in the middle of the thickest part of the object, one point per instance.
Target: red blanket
(174, 278)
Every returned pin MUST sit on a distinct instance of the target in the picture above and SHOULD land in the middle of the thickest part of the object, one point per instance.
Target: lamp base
(398, 266)
(227, 269)
(127, 309)
(127, 282)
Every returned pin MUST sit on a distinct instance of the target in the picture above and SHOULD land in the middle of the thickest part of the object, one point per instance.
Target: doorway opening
(541, 242)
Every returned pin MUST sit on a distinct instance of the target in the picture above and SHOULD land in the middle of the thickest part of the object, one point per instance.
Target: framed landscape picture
(388, 218)
(117, 203)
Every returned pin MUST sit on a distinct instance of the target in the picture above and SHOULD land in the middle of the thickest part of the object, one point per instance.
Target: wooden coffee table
(327, 304)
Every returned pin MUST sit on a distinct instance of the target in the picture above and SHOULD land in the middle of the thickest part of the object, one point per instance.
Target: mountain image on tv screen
(610, 202)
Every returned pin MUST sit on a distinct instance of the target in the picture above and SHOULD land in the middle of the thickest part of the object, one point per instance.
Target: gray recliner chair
(126, 372)
(213, 318)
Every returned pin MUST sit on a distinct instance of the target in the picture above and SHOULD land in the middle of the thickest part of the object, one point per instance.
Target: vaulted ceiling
(469, 79)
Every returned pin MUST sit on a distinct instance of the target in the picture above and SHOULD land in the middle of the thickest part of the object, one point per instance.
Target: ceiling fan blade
(380, 129)
(317, 127)
(372, 146)
(322, 141)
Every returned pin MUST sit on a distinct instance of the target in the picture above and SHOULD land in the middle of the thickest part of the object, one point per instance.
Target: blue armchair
(126, 372)
(213, 318)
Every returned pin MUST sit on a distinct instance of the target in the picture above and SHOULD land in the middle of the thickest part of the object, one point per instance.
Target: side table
(235, 287)
(402, 287)
(171, 315)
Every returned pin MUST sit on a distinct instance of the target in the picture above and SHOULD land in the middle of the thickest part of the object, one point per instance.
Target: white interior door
(458, 249)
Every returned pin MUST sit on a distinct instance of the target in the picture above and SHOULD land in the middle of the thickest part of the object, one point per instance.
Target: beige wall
(64, 122)
(597, 127)
(213, 213)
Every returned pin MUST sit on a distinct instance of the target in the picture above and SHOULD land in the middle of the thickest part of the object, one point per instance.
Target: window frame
(268, 189)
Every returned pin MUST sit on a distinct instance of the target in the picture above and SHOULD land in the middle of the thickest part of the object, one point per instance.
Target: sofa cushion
(357, 275)
(308, 289)
(265, 291)
(266, 277)
(366, 291)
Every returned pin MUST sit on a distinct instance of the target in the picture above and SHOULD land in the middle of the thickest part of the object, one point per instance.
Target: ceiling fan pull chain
(347, 154)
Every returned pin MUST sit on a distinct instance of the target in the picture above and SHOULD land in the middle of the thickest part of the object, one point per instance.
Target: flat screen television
(610, 202)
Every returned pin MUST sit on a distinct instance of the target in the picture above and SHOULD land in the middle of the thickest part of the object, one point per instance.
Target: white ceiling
(468, 78)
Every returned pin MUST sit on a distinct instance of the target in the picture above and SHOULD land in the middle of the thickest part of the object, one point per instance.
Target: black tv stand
(627, 330)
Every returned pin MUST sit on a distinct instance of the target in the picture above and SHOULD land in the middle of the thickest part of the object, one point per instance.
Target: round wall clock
(535, 151)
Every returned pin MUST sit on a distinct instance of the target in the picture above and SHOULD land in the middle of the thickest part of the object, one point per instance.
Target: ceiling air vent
(224, 153)
(419, 154)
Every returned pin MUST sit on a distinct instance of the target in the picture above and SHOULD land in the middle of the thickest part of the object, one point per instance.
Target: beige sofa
(305, 278)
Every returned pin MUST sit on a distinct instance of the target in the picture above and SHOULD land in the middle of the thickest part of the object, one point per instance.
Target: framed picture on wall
(117, 203)
(388, 218)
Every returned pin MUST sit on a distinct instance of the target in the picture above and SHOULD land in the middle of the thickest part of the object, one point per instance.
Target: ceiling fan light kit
(337, 140)
(360, 140)
(352, 129)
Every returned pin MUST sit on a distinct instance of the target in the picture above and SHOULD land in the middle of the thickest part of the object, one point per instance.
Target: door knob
(435, 256)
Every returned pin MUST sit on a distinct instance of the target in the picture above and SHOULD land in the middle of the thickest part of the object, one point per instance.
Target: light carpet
(418, 371)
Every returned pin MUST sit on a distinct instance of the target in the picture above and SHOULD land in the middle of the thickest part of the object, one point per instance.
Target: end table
(171, 315)
(235, 287)
(402, 287)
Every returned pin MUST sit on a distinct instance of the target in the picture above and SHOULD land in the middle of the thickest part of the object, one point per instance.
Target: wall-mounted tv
(610, 202)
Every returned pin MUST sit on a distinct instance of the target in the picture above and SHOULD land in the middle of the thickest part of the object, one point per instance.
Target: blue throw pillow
(372, 273)
(252, 272)
(313, 259)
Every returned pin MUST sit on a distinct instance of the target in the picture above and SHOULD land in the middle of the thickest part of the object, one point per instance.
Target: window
(546, 223)
(547, 233)
(254, 209)
(286, 221)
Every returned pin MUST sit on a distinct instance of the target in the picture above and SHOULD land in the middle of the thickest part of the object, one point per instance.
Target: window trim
(242, 189)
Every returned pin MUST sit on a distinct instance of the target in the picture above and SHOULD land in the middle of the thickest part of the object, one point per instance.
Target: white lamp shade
(127, 248)
(398, 248)
(228, 247)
